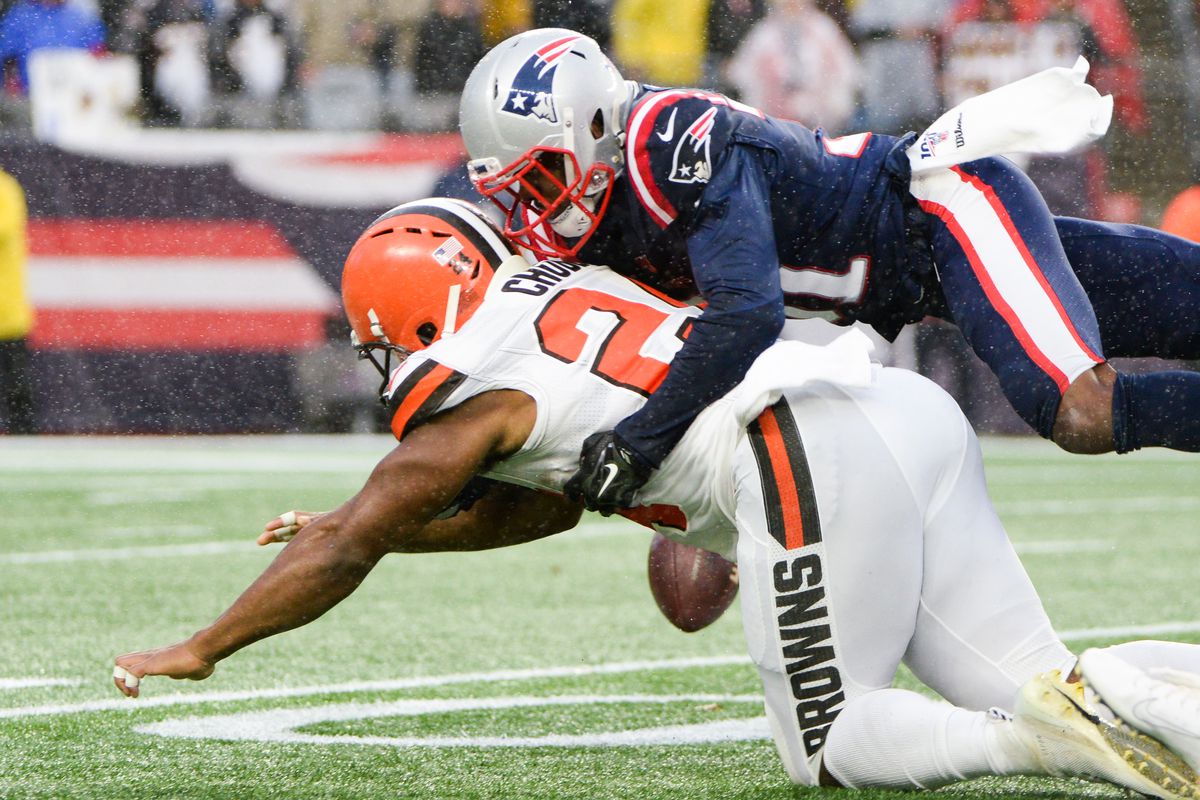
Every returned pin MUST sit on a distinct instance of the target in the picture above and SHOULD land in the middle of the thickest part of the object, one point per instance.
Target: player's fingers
(284, 534)
(126, 681)
(284, 520)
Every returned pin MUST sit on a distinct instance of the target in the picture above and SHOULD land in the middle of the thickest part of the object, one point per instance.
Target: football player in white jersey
(852, 497)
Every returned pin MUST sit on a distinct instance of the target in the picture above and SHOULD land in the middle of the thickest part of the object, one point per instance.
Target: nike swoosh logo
(608, 479)
(669, 133)
(1144, 709)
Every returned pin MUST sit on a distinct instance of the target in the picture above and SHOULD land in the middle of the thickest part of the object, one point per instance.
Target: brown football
(692, 587)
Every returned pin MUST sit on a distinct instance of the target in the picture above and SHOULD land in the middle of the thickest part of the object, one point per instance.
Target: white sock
(898, 739)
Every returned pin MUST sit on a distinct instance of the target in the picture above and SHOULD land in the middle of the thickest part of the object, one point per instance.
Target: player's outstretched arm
(331, 556)
(504, 515)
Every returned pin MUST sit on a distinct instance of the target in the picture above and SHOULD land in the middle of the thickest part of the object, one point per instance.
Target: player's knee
(1084, 423)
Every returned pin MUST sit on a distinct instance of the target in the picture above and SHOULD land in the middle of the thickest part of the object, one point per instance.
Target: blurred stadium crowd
(884, 65)
(397, 66)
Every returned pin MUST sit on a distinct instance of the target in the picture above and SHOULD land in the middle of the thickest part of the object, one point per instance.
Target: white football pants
(865, 538)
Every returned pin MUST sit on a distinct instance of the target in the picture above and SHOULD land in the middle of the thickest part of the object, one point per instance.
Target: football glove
(470, 494)
(610, 473)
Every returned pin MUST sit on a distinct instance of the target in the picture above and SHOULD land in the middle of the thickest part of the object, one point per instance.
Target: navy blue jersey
(826, 216)
(764, 217)
(761, 217)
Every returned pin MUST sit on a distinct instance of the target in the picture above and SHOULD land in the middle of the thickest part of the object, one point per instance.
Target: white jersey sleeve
(589, 346)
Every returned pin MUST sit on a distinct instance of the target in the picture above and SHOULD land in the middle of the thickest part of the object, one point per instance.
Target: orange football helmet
(418, 273)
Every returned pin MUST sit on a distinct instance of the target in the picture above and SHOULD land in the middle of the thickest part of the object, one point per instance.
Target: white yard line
(125, 704)
(11, 684)
(1033, 447)
(144, 496)
(280, 724)
(1128, 631)
(1054, 547)
(125, 553)
(1100, 505)
(197, 698)
(51, 483)
(133, 531)
(584, 531)
(203, 454)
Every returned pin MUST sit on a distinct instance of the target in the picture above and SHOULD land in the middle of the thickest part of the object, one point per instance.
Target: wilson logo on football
(692, 163)
(532, 90)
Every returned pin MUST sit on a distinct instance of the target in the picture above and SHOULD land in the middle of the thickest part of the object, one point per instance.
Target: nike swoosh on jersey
(669, 133)
(608, 479)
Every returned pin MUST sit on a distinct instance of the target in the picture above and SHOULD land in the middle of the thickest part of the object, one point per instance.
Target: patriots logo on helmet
(532, 90)
(692, 163)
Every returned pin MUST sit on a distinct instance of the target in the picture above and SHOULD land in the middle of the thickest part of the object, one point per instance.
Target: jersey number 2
(577, 315)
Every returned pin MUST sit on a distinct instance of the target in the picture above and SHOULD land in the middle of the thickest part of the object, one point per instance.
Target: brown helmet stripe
(465, 218)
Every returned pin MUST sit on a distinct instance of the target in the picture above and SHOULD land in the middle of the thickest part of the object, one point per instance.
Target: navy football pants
(1043, 299)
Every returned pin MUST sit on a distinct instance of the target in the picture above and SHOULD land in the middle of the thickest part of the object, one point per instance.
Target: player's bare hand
(174, 661)
(287, 525)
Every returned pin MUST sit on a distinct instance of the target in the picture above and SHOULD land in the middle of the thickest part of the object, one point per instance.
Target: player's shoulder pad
(417, 390)
(673, 142)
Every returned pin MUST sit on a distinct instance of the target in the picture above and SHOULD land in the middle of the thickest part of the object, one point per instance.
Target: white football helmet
(542, 116)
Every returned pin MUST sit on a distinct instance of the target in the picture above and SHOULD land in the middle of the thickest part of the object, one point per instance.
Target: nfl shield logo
(532, 91)
(930, 141)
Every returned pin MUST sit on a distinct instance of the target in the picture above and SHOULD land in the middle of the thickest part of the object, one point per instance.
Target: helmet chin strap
(574, 222)
(451, 320)
(376, 327)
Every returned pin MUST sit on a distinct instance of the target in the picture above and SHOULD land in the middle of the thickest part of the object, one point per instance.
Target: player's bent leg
(896, 739)
(1084, 423)
(1007, 283)
(829, 562)
(981, 631)
(1104, 410)
(1145, 289)
(1157, 409)
(1144, 286)
(833, 490)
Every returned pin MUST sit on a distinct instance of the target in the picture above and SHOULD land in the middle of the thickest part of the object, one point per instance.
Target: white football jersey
(589, 346)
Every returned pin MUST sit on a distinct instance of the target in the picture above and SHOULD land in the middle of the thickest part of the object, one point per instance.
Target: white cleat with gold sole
(1070, 738)
(1161, 703)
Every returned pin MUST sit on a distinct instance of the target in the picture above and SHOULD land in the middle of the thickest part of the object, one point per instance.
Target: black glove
(470, 494)
(609, 474)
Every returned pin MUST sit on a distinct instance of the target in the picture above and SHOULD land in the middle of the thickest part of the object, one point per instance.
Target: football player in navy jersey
(764, 219)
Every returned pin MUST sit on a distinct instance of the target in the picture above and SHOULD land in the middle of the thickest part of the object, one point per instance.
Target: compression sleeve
(732, 249)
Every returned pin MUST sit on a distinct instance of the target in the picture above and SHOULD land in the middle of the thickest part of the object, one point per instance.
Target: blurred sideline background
(187, 175)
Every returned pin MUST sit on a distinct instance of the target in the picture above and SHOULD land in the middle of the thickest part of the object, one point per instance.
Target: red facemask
(533, 193)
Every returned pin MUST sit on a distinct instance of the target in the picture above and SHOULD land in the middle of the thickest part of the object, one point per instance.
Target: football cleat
(1070, 739)
(1163, 704)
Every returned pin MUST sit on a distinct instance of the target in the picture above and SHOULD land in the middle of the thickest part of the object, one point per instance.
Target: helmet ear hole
(598, 125)
(427, 332)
